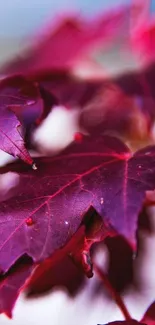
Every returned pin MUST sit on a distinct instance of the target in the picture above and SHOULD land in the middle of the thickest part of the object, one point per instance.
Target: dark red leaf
(141, 85)
(20, 103)
(149, 317)
(120, 267)
(49, 101)
(69, 90)
(12, 283)
(125, 322)
(99, 172)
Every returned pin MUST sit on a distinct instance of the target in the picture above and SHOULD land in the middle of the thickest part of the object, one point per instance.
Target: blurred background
(113, 40)
(23, 24)
(19, 20)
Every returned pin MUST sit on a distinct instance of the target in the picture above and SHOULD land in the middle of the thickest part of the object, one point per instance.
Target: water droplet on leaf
(29, 221)
(30, 102)
(78, 137)
(102, 200)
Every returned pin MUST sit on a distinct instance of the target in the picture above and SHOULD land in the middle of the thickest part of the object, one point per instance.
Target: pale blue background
(153, 5)
(21, 17)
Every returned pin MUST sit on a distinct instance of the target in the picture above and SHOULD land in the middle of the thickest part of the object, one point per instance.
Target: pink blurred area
(74, 43)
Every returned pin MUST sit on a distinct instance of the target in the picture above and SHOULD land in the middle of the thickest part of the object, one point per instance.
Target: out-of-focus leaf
(73, 39)
(125, 322)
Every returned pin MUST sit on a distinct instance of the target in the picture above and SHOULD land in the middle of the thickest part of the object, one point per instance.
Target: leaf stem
(112, 291)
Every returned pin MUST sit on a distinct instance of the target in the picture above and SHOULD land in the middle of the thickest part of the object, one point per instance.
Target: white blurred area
(57, 131)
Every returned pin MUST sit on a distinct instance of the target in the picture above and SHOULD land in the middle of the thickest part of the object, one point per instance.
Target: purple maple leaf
(48, 206)
(20, 103)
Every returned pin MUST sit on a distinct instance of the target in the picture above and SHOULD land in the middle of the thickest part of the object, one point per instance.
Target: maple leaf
(20, 104)
(46, 275)
(48, 206)
(12, 283)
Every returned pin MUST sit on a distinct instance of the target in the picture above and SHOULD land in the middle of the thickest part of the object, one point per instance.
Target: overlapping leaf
(20, 103)
(149, 317)
(47, 274)
(123, 106)
(125, 322)
(69, 90)
(12, 283)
